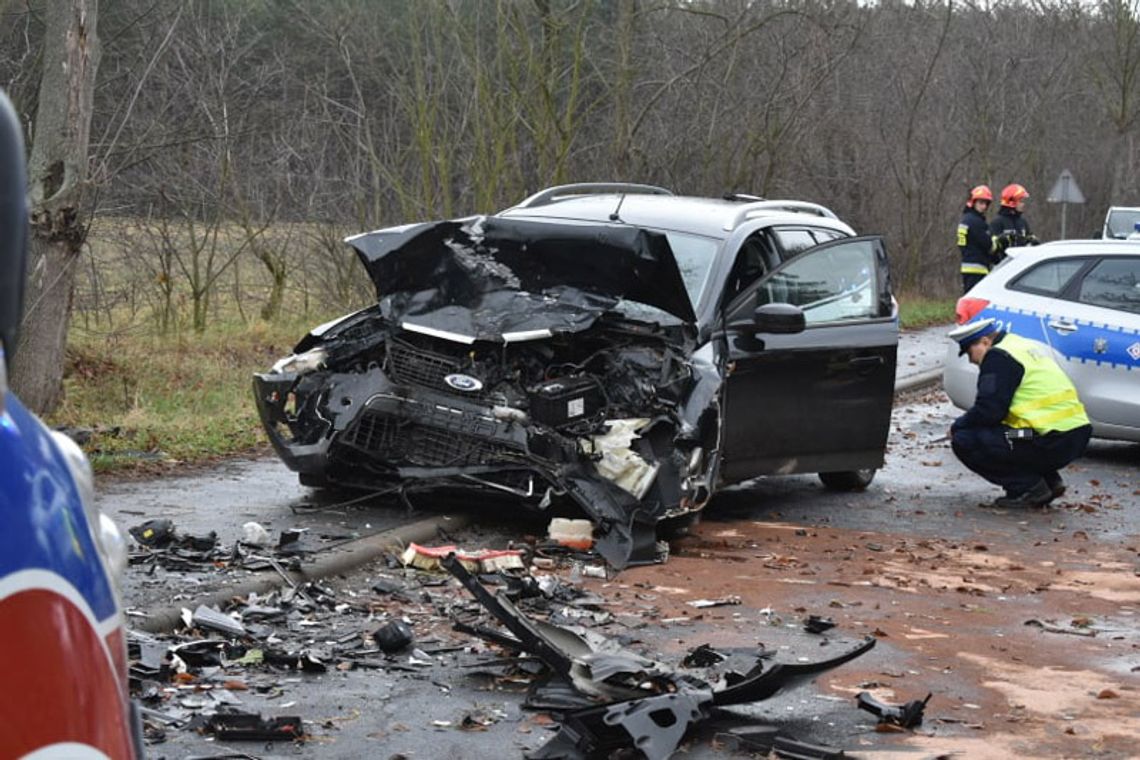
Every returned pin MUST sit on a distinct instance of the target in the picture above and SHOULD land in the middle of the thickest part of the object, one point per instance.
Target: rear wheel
(850, 480)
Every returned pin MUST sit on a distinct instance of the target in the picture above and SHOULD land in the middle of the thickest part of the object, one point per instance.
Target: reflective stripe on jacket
(975, 243)
(1046, 399)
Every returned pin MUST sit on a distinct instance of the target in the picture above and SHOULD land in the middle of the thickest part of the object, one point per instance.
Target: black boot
(1056, 484)
(1039, 495)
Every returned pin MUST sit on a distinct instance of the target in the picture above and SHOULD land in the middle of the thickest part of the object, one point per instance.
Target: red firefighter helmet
(980, 193)
(1013, 194)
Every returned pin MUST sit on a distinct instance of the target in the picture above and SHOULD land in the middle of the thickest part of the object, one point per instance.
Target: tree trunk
(57, 176)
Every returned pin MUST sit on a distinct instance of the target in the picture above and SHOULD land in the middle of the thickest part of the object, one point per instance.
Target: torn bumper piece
(642, 703)
(906, 715)
(250, 727)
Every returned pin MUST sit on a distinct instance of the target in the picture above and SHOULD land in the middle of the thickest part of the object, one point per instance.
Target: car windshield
(1122, 222)
(694, 257)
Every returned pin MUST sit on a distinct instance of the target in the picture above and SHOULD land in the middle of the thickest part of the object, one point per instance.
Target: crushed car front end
(499, 357)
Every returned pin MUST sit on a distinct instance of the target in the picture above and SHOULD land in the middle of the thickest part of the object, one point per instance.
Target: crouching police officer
(1026, 422)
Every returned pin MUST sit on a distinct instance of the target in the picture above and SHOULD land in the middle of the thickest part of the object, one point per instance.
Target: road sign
(1065, 191)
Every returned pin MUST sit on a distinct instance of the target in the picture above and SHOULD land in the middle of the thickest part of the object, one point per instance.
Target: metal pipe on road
(357, 553)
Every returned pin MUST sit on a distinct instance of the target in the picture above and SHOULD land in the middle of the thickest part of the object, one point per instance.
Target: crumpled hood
(487, 276)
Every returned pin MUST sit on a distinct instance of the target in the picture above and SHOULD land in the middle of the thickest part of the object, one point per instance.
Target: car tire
(850, 480)
(678, 527)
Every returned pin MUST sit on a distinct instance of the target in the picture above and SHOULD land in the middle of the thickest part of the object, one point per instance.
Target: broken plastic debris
(594, 667)
(485, 560)
(724, 601)
(207, 617)
(251, 727)
(571, 533)
(153, 533)
(906, 716)
(816, 624)
(393, 637)
(616, 461)
(255, 534)
(702, 657)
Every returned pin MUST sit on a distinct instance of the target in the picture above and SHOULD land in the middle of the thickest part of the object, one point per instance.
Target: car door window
(835, 283)
(1048, 278)
(1113, 284)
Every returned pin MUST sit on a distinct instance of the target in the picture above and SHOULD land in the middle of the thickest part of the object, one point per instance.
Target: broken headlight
(301, 364)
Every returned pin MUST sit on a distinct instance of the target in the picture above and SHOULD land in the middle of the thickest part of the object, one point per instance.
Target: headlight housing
(301, 364)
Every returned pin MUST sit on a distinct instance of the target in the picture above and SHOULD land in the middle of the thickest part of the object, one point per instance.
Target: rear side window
(1113, 284)
(795, 240)
(1049, 278)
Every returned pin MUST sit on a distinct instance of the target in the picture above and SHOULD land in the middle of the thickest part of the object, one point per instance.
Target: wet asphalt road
(922, 491)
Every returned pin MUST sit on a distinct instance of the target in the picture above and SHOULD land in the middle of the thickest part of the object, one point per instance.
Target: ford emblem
(464, 383)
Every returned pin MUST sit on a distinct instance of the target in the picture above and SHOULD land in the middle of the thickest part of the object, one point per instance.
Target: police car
(1081, 298)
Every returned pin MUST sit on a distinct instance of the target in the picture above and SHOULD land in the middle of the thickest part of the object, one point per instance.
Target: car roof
(709, 217)
(1104, 247)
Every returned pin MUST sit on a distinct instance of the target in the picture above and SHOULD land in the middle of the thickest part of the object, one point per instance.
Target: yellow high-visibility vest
(1046, 399)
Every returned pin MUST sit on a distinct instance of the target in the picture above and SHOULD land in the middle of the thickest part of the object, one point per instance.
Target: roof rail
(799, 207)
(552, 194)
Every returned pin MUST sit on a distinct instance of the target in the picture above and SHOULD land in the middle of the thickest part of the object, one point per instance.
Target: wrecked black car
(613, 345)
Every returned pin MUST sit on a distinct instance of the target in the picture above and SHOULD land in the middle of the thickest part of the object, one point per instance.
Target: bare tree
(58, 188)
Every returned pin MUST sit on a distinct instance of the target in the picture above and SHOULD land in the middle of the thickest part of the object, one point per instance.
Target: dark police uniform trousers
(1017, 465)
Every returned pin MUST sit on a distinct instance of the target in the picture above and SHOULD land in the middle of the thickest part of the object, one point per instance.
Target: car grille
(408, 365)
(400, 441)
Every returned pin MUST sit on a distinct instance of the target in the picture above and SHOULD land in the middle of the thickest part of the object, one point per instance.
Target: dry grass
(184, 398)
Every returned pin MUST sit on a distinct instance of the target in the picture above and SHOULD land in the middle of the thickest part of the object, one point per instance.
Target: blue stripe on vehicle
(1122, 349)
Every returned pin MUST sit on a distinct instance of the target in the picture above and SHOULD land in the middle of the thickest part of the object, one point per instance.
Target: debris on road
(238, 726)
(817, 624)
(638, 702)
(486, 561)
(905, 716)
(571, 533)
(724, 601)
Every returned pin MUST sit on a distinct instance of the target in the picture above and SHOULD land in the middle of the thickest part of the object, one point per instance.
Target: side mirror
(13, 225)
(1097, 235)
(778, 319)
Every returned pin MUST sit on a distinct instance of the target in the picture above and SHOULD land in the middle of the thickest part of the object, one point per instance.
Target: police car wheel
(851, 480)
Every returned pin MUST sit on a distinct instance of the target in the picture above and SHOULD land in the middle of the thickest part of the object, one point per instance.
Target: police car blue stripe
(1121, 347)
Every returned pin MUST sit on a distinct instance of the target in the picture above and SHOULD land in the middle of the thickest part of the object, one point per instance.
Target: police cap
(966, 334)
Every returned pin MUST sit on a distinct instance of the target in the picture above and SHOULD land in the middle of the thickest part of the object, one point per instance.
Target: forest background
(235, 143)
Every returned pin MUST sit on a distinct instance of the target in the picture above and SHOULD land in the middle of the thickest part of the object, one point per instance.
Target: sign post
(1065, 191)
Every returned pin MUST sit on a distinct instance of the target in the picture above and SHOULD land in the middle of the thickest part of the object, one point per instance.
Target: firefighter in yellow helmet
(1027, 421)
(1010, 226)
(980, 251)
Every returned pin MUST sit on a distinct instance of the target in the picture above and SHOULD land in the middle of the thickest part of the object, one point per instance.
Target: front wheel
(851, 480)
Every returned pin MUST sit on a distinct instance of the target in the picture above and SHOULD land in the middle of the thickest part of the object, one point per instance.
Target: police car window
(1050, 277)
(1113, 284)
(831, 285)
